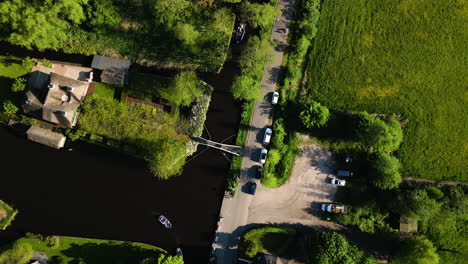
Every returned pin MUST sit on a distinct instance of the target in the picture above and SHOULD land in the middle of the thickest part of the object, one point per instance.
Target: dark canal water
(97, 193)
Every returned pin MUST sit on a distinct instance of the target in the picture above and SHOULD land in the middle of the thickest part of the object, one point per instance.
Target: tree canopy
(385, 171)
(19, 254)
(416, 250)
(377, 134)
(314, 115)
(184, 89)
(258, 15)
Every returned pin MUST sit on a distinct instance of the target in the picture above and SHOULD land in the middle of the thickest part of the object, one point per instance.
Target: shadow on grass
(111, 253)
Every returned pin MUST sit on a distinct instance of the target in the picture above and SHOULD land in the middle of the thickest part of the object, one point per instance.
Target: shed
(408, 225)
(114, 71)
(46, 137)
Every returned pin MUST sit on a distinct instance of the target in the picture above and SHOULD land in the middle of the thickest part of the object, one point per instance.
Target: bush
(19, 85)
(10, 108)
(314, 115)
(46, 63)
(51, 241)
(72, 134)
(385, 171)
(417, 250)
(376, 134)
(28, 63)
(250, 248)
(28, 120)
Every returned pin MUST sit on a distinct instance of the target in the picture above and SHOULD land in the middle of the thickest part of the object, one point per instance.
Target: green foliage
(385, 171)
(19, 85)
(246, 86)
(250, 248)
(275, 239)
(166, 259)
(19, 254)
(151, 131)
(416, 250)
(331, 247)
(417, 72)
(28, 120)
(28, 63)
(46, 63)
(314, 115)
(258, 15)
(7, 216)
(376, 134)
(72, 134)
(10, 108)
(102, 13)
(39, 24)
(185, 88)
(420, 205)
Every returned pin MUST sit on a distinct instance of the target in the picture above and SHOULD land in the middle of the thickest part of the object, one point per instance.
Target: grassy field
(405, 57)
(74, 250)
(10, 69)
(7, 214)
(273, 239)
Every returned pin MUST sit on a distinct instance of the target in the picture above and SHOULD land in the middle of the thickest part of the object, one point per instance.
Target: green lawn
(273, 239)
(104, 90)
(7, 214)
(74, 250)
(406, 57)
(10, 68)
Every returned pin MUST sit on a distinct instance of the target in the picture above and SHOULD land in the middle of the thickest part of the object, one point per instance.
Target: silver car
(263, 154)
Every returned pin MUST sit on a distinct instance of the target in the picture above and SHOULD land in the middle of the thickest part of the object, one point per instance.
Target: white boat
(164, 221)
(179, 252)
(240, 33)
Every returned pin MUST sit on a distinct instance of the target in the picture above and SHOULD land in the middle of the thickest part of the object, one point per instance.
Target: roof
(104, 63)
(408, 225)
(46, 137)
(113, 76)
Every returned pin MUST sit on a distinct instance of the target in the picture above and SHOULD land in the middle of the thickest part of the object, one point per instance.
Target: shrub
(72, 134)
(46, 63)
(34, 236)
(28, 63)
(376, 134)
(10, 108)
(28, 120)
(314, 115)
(385, 171)
(19, 85)
(416, 249)
(51, 241)
(250, 248)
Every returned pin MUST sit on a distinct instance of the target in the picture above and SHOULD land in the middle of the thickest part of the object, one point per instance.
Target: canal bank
(97, 193)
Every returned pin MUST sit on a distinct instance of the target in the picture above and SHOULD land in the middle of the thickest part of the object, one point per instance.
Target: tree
(250, 248)
(168, 157)
(314, 115)
(274, 157)
(418, 204)
(10, 108)
(21, 253)
(19, 85)
(416, 250)
(376, 134)
(245, 87)
(184, 89)
(170, 12)
(385, 171)
(258, 15)
(102, 13)
(41, 24)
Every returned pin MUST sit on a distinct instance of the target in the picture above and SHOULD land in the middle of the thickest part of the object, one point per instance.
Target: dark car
(253, 188)
(259, 172)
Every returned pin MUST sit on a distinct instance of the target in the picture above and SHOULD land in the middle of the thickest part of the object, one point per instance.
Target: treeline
(166, 33)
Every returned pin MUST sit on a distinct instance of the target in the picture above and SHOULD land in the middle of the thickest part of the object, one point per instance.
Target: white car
(263, 154)
(267, 136)
(338, 182)
(275, 98)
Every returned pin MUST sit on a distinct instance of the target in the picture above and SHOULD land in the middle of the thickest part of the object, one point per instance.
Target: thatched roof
(46, 137)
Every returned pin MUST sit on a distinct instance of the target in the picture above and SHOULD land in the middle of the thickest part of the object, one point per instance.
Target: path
(234, 212)
(435, 182)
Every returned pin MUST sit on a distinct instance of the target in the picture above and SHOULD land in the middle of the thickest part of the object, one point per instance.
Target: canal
(94, 192)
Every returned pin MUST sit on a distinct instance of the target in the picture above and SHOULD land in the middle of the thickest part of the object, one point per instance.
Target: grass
(74, 250)
(147, 86)
(7, 214)
(104, 90)
(273, 239)
(405, 58)
(10, 69)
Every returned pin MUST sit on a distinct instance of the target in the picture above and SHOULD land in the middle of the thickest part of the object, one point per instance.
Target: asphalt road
(235, 211)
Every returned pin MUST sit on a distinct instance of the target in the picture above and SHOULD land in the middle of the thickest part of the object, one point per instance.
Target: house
(55, 97)
(114, 71)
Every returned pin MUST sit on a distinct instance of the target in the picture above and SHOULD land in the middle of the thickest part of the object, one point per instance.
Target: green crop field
(405, 57)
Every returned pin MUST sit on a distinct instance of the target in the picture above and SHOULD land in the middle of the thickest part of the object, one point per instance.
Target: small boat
(240, 33)
(179, 252)
(164, 221)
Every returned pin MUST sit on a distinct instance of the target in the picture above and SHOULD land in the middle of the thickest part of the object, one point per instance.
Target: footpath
(234, 211)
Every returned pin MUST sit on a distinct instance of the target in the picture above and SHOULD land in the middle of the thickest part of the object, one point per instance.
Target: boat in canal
(179, 252)
(240, 33)
(164, 221)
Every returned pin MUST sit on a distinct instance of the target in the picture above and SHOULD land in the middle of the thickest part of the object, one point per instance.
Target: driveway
(298, 200)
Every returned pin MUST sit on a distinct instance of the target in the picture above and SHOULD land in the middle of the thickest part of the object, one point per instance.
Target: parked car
(275, 98)
(344, 173)
(338, 182)
(253, 188)
(263, 154)
(259, 172)
(267, 136)
(334, 208)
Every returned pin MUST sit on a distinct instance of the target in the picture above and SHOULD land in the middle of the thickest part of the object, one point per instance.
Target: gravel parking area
(299, 199)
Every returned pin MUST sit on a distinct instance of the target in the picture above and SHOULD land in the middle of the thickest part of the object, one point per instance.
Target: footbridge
(233, 149)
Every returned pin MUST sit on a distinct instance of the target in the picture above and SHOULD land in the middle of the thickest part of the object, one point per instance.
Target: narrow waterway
(98, 193)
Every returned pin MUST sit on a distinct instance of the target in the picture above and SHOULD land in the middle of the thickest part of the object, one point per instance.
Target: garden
(7, 214)
(61, 249)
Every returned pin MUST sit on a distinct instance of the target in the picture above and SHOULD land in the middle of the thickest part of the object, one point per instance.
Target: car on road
(253, 188)
(267, 136)
(259, 173)
(263, 154)
(275, 98)
(338, 182)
